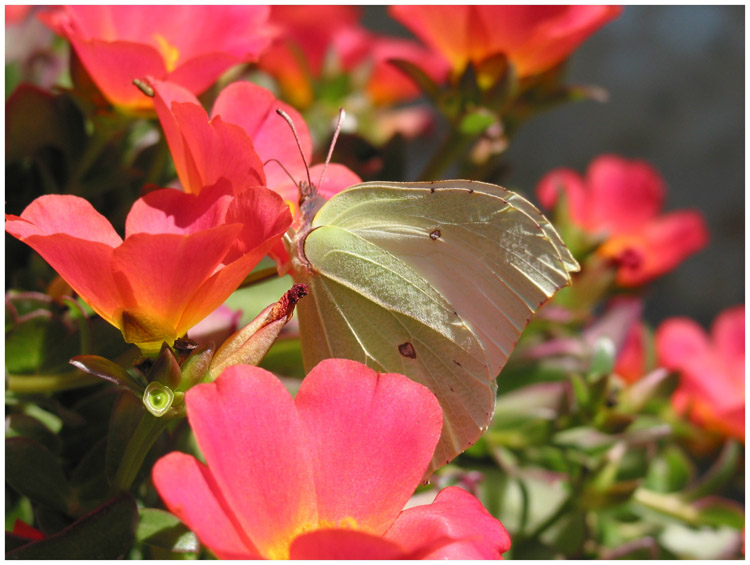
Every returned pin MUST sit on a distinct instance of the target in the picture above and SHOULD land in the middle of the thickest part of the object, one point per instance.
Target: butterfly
(433, 280)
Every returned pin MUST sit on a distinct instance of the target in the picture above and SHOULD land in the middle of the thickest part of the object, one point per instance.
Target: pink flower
(182, 255)
(310, 34)
(534, 38)
(298, 53)
(245, 142)
(189, 45)
(322, 476)
(631, 361)
(619, 202)
(712, 369)
(16, 14)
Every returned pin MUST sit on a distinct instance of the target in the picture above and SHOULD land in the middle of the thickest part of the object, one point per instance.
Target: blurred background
(675, 76)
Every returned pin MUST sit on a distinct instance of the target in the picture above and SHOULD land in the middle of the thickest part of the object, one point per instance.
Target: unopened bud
(166, 368)
(195, 367)
(249, 345)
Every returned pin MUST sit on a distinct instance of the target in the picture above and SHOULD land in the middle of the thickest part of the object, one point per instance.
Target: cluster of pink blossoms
(326, 474)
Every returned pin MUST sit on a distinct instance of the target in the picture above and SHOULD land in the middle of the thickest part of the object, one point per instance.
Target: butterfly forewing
(432, 280)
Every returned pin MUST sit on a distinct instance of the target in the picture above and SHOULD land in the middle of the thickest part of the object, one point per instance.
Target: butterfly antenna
(289, 121)
(279, 163)
(340, 122)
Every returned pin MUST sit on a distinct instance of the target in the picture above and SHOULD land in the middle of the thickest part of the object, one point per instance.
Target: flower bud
(249, 345)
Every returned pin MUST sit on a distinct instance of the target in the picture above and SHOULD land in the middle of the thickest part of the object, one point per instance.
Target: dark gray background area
(676, 79)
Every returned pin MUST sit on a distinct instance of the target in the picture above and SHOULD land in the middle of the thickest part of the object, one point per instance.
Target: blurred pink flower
(189, 45)
(182, 255)
(619, 202)
(712, 369)
(631, 361)
(217, 326)
(322, 476)
(16, 14)
(308, 35)
(533, 38)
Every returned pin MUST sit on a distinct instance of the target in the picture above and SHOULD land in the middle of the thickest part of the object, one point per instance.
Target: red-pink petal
(56, 213)
(712, 386)
(534, 38)
(728, 337)
(190, 492)
(344, 544)
(454, 526)
(681, 342)
(207, 151)
(219, 38)
(370, 451)
(623, 195)
(169, 210)
(264, 217)
(657, 248)
(253, 108)
(387, 84)
(77, 242)
(21, 528)
(569, 183)
(114, 65)
(337, 178)
(250, 433)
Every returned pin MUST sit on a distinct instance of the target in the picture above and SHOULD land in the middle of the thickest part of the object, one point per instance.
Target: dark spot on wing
(457, 363)
(407, 350)
(432, 189)
(450, 387)
(435, 234)
(471, 191)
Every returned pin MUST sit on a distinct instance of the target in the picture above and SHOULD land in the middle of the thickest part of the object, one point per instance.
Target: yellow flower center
(168, 51)
(280, 549)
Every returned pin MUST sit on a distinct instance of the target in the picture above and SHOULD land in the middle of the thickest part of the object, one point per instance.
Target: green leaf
(670, 470)
(474, 123)
(584, 438)
(105, 533)
(716, 511)
(700, 543)
(110, 371)
(602, 358)
(416, 74)
(127, 412)
(164, 530)
(720, 473)
(34, 471)
(23, 425)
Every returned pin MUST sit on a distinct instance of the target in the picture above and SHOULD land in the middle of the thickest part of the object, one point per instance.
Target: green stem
(94, 148)
(154, 173)
(450, 150)
(148, 430)
(34, 384)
